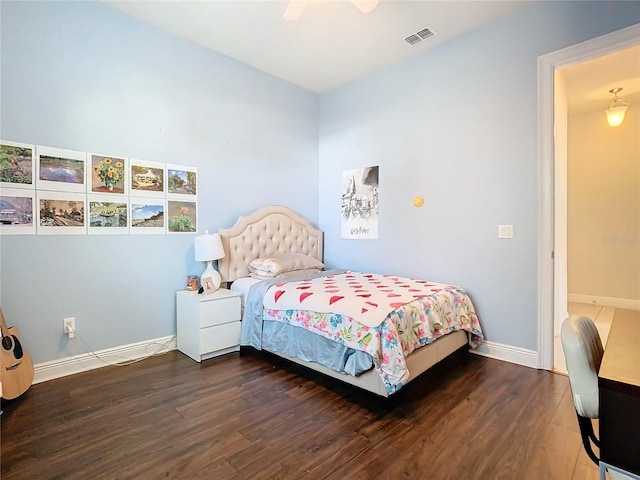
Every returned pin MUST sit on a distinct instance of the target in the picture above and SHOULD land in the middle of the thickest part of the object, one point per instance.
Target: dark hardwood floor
(256, 417)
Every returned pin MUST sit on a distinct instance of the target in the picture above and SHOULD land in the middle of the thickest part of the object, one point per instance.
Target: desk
(619, 385)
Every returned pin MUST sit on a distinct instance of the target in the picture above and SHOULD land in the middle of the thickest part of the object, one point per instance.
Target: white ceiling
(333, 43)
(588, 83)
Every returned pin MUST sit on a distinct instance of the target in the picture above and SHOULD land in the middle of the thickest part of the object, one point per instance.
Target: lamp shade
(615, 114)
(208, 247)
(617, 109)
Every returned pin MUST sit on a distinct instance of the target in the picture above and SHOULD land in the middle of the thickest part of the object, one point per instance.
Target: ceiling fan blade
(294, 10)
(365, 6)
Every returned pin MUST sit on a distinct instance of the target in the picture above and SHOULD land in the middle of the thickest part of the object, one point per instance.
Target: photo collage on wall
(52, 191)
(360, 203)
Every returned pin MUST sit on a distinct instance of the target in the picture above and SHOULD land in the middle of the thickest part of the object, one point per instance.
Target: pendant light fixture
(617, 109)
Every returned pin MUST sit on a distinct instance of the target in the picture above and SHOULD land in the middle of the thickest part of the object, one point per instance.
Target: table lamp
(207, 248)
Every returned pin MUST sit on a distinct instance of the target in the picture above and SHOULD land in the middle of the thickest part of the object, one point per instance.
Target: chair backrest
(583, 354)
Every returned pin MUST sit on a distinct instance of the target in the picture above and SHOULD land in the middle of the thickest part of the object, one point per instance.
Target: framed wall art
(54, 191)
(108, 215)
(108, 174)
(182, 182)
(181, 216)
(16, 164)
(61, 213)
(148, 179)
(16, 211)
(61, 170)
(360, 203)
(147, 215)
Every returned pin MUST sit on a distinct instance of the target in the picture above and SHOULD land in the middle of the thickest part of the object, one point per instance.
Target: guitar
(16, 367)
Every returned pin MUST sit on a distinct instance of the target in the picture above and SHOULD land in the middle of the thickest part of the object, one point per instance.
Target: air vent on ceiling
(426, 33)
(413, 39)
(419, 36)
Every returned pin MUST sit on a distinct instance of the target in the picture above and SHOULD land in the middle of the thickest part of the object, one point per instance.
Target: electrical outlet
(69, 326)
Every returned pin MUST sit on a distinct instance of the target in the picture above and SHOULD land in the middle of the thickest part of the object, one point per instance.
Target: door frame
(552, 183)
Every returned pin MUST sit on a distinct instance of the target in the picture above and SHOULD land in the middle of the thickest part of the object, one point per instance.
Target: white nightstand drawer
(208, 325)
(217, 312)
(219, 337)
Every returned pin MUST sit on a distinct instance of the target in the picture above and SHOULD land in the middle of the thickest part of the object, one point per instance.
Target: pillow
(290, 273)
(278, 263)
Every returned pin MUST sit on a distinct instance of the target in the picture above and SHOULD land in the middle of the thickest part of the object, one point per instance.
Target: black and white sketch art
(360, 203)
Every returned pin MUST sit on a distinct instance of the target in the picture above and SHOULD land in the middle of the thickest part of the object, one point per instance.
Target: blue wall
(458, 126)
(82, 76)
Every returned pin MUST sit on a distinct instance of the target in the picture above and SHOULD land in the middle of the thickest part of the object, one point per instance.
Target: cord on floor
(164, 348)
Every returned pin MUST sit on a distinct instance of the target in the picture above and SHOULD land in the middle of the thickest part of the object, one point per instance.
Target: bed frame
(277, 229)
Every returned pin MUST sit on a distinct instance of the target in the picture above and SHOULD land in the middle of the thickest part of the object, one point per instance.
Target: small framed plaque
(208, 285)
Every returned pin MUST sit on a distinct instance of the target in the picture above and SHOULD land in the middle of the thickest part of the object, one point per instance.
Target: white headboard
(274, 229)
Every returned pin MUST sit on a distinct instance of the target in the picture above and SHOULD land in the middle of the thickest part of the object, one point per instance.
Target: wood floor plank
(554, 456)
(586, 472)
(251, 417)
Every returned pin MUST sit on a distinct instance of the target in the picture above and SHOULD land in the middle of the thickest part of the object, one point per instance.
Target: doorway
(552, 239)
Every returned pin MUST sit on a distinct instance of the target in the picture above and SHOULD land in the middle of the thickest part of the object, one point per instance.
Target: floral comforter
(408, 314)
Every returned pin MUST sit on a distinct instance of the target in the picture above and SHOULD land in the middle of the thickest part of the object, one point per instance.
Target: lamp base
(210, 279)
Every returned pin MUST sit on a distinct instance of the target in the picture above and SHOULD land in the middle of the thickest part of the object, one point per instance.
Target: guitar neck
(3, 325)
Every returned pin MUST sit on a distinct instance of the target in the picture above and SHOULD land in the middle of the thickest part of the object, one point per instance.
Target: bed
(376, 332)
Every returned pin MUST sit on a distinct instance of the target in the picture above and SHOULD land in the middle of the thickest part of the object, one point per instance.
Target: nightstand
(208, 325)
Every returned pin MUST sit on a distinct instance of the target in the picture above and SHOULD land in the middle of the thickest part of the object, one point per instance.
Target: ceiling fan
(295, 8)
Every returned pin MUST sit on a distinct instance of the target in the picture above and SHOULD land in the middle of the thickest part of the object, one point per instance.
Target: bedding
(279, 263)
(278, 337)
(378, 320)
(243, 285)
(291, 273)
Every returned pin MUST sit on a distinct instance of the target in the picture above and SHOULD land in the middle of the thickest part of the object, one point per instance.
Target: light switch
(505, 231)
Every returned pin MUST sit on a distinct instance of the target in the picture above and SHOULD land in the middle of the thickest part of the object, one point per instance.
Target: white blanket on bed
(366, 297)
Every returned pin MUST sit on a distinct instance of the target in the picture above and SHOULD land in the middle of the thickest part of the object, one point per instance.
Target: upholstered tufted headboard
(270, 230)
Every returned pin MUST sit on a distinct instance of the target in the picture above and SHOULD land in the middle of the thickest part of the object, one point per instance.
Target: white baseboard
(625, 303)
(507, 353)
(81, 363)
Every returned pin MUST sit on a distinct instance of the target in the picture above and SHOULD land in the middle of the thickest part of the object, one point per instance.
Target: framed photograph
(181, 217)
(147, 215)
(108, 174)
(207, 285)
(61, 213)
(148, 179)
(182, 181)
(16, 211)
(16, 164)
(61, 170)
(108, 215)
